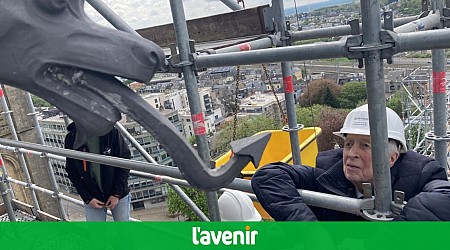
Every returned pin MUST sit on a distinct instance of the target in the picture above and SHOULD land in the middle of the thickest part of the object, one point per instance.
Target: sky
(146, 13)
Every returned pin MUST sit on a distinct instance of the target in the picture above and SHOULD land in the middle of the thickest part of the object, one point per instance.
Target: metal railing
(366, 42)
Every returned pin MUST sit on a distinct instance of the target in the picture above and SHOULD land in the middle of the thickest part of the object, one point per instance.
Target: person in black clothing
(100, 186)
(343, 171)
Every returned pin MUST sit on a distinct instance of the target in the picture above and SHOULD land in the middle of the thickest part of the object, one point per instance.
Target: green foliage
(127, 81)
(412, 135)
(327, 118)
(330, 120)
(419, 54)
(395, 103)
(178, 207)
(317, 40)
(329, 98)
(308, 116)
(40, 102)
(319, 91)
(245, 127)
(192, 140)
(410, 7)
(352, 94)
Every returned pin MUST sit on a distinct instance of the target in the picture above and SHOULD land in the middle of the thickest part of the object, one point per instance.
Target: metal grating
(20, 217)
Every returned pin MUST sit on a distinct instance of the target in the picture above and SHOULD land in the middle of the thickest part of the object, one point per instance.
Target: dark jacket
(433, 204)
(114, 180)
(275, 185)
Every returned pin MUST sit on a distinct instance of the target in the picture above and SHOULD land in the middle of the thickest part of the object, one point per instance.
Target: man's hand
(112, 202)
(96, 203)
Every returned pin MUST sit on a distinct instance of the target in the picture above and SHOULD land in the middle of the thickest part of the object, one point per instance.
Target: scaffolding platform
(24, 213)
(20, 216)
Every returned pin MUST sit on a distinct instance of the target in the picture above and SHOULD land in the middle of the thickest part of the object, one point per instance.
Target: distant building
(393, 80)
(260, 103)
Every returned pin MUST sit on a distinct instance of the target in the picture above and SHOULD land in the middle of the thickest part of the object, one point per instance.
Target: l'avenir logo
(238, 237)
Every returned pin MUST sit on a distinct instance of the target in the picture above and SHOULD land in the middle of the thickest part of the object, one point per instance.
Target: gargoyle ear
(51, 6)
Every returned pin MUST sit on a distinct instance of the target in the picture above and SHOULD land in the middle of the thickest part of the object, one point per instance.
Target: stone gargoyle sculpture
(52, 49)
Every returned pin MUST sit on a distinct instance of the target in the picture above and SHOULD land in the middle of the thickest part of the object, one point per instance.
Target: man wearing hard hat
(343, 171)
(235, 205)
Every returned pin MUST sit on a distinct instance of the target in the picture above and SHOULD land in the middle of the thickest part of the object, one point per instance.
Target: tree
(330, 99)
(316, 91)
(352, 94)
(327, 118)
(245, 127)
(410, 7)
(308, 115)
(395, 103)
(40, 102)
(330, 120)
(177, 206)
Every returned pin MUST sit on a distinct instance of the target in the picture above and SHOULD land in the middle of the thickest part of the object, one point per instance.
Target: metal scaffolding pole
(14, 136)
(233, 5)
(149, 158)
(343, 204)
(440, 136)
(425, 23)
(50, 192)
(189, 202)
(281, 54)
(343, 30)
(292, 126)
(111, 16)
(370, 11)
(431, 39)
(51, 174)
(197, 115)
(6, 191)
(261, 43)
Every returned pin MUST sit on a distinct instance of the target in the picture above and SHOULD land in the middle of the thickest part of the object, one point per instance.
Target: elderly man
(343, 171)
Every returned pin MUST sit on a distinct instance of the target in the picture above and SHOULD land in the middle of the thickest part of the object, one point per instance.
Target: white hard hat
(237, 206)
(357, 122)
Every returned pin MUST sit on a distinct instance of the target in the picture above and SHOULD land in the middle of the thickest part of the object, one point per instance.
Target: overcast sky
(146, 13)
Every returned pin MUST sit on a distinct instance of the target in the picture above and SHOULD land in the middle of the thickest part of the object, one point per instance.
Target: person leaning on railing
(343, 171)
(100, 186)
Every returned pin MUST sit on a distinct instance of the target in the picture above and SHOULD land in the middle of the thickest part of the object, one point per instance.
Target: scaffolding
(368, 42)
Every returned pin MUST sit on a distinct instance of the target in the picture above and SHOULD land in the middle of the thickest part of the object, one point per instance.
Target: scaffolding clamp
(296, 128)
(175, 65)
(431, 136)
(398, 203)
(356, 48)
(369, 212)
(7, 191)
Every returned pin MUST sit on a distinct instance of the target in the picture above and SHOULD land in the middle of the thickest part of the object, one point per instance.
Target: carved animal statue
(52, 49)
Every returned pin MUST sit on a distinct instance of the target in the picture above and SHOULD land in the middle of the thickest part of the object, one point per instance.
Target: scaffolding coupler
(356, 48)
(298, 127)
(433, 137)
(175, 65)
(370, 213)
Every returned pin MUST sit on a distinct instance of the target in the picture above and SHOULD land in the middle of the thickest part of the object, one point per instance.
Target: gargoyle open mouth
(52, 49)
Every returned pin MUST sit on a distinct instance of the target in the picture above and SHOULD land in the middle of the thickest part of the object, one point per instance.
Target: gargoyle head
(52, 49)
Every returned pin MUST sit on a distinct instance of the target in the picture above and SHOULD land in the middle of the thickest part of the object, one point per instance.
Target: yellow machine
(279, 149)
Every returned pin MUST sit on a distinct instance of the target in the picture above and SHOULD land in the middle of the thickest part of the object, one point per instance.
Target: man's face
(357, 159)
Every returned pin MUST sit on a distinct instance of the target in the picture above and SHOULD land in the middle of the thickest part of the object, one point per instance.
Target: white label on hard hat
(360, 122)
